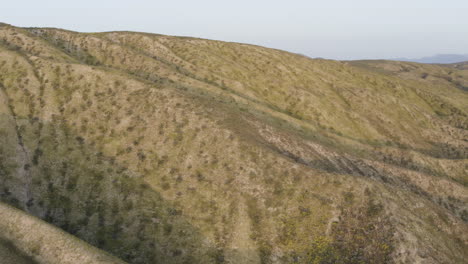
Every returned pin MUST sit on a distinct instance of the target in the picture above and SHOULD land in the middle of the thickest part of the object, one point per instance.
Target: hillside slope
(162, 149)
(27, 240)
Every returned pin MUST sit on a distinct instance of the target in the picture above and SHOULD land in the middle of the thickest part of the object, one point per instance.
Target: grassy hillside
(162, 149)
(27, 240)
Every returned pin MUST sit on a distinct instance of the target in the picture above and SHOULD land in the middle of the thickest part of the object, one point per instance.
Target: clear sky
(336, 29)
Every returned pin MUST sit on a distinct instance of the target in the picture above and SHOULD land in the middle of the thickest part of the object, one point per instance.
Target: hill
(161, 149)
(439, 58)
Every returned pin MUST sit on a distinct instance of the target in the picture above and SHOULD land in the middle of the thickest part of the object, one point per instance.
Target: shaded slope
(10, 255)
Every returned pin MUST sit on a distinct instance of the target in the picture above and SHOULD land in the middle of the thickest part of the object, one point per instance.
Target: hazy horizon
(335, 30)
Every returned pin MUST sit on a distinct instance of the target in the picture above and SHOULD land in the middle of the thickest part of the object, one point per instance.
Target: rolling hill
(162, 149)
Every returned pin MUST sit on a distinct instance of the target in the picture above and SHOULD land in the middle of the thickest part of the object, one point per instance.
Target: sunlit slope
(26, 239)
(164, 149)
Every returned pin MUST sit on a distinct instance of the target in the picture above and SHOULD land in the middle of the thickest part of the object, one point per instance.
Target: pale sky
(335, 29)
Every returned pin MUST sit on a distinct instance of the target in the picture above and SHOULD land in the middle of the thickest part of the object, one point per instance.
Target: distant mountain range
(439, 58)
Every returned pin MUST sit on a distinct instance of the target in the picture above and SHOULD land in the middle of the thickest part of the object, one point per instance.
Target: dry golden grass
(27, 239)
(162, 149)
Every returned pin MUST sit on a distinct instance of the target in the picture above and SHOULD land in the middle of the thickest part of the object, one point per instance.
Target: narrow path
(241, 248)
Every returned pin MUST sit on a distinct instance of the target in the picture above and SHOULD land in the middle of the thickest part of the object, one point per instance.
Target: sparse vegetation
(163, 149)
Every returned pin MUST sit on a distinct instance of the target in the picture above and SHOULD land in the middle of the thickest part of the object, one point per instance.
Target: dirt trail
(241, 248)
